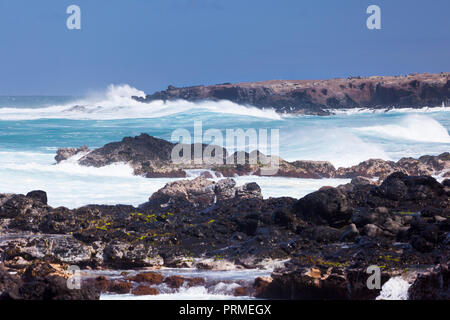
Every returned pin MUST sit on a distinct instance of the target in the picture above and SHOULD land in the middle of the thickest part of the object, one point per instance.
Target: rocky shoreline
(393, 215)
(329, 238)
(151, 157)
(318, 97)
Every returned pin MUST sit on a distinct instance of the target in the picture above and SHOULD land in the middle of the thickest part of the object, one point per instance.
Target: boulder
(38, 195)
(174, 282)
(327, 206)
(41, 281)
(147, 277)
(145, 291)
(431, 285)
(66, 153)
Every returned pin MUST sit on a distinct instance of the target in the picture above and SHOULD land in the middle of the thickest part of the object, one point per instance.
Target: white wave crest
(340, 146)
(390, 110)
(412, 127)
(117, 103)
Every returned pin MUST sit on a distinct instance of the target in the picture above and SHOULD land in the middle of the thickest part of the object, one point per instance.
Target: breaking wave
(340, 146)
(413, 127)
(117, 103)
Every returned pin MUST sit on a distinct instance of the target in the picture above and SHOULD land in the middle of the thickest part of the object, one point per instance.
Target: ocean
(33, 128)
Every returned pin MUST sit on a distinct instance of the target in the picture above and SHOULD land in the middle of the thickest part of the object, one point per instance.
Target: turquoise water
(32, 128)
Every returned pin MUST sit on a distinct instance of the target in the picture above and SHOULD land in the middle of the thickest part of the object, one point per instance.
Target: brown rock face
(241, 292)
(193, 282)
(174, 281)
(120, 287)
(424, 166)
(145, 291)
(318, 96)
(149, 277)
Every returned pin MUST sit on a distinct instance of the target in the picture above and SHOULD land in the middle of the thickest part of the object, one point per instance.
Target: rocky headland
(328, 238)
(320, 97)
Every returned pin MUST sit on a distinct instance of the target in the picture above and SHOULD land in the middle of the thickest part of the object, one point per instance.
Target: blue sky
(150, 44)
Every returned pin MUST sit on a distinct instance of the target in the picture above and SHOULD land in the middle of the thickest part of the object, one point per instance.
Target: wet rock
(145, 291)
(38, 195)
(241, 292)
(194, 282)
(56, 248)
(400, 187)
(372, 230)
(327, 206)
(25, 212)
(249, 190)
(421, 244)
(371, 169)
(285, 218)
(361, 181)
(120, 287)
(66, 153)
(306, 284)
(261, 286)
(101, 283)
(446, 183)
(41, 281)
(350, 233)
(7, 280)
(431, 285)
(174, 282)
(200, 193)
(148, 277)
(126, 255)
(323, 234)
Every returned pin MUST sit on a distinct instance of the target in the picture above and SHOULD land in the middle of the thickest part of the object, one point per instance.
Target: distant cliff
(319, 96)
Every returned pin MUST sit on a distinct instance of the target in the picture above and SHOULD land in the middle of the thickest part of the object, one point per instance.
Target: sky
(151, 44)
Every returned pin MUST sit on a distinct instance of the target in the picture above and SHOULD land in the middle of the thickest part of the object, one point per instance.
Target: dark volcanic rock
(331, 235)
(377, 168)
(7, 281)
(317, 96)
(431, 285)
(38, 195)
(66, 153)
(312, 283)
(327, 206)
(152, 157)
(25, 212)
(41, 281)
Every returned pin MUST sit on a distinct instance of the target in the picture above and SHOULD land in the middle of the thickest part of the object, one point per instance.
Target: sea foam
(412, 127)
